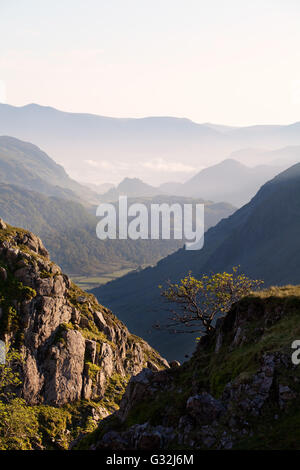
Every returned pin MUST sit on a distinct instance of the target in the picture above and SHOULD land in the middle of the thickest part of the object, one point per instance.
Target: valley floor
(91, 282)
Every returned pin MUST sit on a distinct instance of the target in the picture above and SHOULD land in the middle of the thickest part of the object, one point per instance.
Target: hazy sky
(224, 61)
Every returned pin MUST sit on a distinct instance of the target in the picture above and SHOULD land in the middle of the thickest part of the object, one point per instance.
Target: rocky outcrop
(71, 346)
(239, 390)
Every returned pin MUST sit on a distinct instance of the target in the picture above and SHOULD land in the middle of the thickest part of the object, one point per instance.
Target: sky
(233, 62)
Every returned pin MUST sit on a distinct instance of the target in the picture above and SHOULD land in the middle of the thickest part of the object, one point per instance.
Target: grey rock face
(252, 395)
(143, 385)
(64, 366)
(71, 345)
(2, 225)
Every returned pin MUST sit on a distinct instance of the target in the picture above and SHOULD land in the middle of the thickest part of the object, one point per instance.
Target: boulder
(3, 225)
(204, 408)
(3, 274)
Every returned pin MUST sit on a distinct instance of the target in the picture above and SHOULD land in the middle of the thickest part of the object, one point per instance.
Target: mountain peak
(127, 179)
(131, 185)
(231, 162)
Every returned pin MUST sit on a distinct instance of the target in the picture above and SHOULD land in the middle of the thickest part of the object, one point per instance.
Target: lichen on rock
(60, 329)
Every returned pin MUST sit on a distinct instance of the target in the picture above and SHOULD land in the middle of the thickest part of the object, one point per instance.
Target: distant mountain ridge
(160, 147)
(37, 194)
(229, 181)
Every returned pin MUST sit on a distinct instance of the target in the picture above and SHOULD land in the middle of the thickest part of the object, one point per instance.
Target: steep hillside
(69, 232)
(262, 237)
(24, 164)
(74, 351)
(240, 390)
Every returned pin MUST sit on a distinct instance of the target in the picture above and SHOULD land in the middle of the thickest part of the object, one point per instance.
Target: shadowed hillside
(69, 232)
(240, 390)
(262, 237)
(24, 164)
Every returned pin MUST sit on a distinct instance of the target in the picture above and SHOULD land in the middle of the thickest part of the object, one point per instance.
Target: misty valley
(149, 230)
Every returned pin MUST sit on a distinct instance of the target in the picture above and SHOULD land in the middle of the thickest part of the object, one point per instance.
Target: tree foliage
(18, 424)
(202, 301)
(9, 376)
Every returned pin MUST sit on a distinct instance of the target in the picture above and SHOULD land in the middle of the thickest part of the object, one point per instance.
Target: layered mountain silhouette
(262, 237)
(159, 148)
(24, 164)
(229, 181)
(37, 194)
(69, 232)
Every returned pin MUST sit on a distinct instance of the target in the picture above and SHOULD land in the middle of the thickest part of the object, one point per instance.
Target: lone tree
(202, 301)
